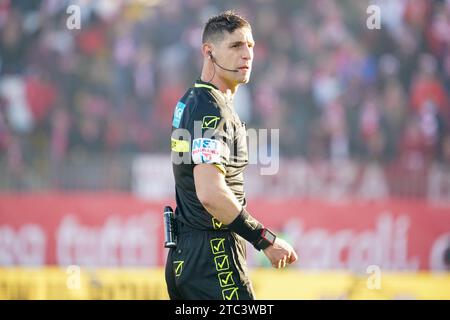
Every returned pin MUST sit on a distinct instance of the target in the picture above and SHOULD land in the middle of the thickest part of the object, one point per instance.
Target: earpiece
(215, 62)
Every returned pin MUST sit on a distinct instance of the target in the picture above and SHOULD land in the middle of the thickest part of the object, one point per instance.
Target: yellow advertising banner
(54, 283)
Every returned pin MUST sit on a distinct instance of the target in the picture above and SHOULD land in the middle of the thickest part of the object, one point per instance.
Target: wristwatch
(266, 239)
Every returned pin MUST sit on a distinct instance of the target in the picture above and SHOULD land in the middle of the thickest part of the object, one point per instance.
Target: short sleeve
(210, 136)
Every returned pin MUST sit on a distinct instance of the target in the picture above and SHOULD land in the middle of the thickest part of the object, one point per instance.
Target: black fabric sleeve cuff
(247, 227)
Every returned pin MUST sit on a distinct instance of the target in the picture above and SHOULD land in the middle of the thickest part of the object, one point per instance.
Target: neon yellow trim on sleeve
(221, 168)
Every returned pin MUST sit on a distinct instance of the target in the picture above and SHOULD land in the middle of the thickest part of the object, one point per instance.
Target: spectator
(335, 90)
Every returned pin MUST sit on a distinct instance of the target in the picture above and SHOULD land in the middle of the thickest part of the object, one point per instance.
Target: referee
(209, 154)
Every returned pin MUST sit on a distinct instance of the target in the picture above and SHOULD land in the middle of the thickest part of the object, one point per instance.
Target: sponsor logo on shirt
(205, 151)
(178, 113)
(179, 145)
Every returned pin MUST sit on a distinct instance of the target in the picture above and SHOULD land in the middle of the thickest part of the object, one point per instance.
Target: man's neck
(227, 89)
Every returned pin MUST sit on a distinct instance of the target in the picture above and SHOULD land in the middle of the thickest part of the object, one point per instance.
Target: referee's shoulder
(203, 103)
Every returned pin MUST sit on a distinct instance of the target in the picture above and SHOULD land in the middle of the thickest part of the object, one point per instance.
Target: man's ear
(207, 50)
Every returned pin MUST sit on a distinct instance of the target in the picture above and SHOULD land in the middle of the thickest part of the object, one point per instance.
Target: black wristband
(266, 239)
(247, 227)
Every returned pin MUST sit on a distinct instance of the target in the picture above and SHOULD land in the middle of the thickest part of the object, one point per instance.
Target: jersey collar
(202, 84)
(214, 90)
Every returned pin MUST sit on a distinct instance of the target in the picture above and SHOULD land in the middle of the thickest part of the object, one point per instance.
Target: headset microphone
(214, 61)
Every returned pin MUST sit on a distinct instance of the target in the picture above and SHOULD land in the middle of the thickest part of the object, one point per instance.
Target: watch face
(269, 236)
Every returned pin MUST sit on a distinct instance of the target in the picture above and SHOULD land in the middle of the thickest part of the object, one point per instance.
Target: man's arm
(221, 203)
(214, 194)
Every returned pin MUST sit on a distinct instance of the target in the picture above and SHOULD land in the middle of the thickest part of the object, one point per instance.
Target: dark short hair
(226, 21)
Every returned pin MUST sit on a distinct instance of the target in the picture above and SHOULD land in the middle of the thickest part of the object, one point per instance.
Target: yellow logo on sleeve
(210, 122)
(179, 145)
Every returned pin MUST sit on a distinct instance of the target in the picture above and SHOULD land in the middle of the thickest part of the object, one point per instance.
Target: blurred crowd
(335, 88)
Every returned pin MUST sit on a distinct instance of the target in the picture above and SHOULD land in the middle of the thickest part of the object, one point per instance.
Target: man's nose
(248, 53)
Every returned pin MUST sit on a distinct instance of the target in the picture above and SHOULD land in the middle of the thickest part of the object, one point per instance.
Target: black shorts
(208, 265)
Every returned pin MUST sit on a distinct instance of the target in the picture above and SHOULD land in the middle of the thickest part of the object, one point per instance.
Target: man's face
(235, 51)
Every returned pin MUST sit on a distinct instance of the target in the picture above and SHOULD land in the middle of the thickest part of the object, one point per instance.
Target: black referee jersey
(209, 261)
(217, 136)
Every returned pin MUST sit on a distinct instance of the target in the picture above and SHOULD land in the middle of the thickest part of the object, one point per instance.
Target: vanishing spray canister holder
(170, 239)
